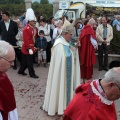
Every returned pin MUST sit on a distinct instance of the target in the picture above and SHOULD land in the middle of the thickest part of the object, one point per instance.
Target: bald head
(92, 22)
(113, 75)
(7, 56)
(5, 48)
(117, 70)
(111, 84)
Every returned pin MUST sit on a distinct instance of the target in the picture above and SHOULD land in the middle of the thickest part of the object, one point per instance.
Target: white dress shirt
(7, 24)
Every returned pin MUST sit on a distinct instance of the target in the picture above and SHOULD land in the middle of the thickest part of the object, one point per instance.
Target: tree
(17, 9)
(11, 1)
(13, 9)
(45, 9)
(44, 2)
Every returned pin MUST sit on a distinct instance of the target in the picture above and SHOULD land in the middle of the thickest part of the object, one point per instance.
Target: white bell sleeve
(93, 42)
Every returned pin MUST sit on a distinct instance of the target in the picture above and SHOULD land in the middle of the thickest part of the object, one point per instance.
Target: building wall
(28, 4)
(55, 6)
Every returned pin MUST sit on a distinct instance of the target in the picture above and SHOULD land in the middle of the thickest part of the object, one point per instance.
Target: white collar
(103, 99)
(62, 41)
(7, 21)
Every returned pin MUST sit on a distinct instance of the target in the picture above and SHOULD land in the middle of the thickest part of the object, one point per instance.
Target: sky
(39, 1)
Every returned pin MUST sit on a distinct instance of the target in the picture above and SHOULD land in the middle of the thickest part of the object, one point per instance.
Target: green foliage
(115, 42)
(13, 9)
(11, 1)
(45, 9)
(17, 9)
(44, 2)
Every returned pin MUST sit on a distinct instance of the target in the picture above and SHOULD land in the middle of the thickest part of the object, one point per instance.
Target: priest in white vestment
(60, 83)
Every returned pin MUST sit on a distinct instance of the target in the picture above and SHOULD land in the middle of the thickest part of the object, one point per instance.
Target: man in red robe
(87, 51)
(95, 99)
(7, 100)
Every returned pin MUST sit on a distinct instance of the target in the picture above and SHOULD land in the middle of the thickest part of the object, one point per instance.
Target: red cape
(7, 99)
(87, 52)
(87, 106)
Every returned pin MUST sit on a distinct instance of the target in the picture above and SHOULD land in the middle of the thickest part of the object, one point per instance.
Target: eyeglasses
(11, 62)
(117, 86)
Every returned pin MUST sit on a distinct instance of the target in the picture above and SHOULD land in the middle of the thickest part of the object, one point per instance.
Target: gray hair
(112, 76)
(58, 22)
(91, 21)
(5, 47)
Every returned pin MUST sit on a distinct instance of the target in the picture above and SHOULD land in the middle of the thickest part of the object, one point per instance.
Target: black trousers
(18, 55)
(48, 51)
(15, 61)
(27, 62)
(103, 60)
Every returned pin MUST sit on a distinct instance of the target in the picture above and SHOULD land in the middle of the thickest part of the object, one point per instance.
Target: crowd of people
(69, 47)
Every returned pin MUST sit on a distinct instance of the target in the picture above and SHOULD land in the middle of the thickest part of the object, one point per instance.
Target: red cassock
(87, 52)
(29, 35)
(7, 99)
(87, 106)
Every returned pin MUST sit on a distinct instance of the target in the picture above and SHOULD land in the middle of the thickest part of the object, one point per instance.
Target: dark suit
(10, 34)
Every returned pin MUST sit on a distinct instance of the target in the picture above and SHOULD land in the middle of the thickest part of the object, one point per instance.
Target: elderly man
(87, 49)
(59, 89)
(104, 34)
(7, 99)
(95, 99)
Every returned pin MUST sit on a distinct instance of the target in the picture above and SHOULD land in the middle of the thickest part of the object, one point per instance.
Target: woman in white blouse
(57, 31)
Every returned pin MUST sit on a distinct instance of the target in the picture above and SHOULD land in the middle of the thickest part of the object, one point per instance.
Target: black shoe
(22, 73)
(100, 68)
(14, 67)
(45, 65)
(34, 76)
(34, 62)
(106, 69)
(37, 65)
